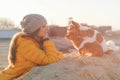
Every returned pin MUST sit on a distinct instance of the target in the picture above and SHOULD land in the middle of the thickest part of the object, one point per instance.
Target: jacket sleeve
(40, 57)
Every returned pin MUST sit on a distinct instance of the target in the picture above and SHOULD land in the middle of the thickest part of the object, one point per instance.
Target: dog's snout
(67, 35)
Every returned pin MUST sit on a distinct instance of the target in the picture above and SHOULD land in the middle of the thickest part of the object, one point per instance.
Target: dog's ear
(70, 25)
(75, 24)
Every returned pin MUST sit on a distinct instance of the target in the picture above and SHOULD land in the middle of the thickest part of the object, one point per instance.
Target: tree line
(6, 23)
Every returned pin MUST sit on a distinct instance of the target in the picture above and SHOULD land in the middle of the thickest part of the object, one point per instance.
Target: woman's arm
(38, 56)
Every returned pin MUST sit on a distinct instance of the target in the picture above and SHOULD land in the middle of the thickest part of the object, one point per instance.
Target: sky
(92, 12)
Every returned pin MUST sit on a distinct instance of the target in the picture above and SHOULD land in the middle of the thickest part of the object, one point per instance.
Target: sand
(76, 67)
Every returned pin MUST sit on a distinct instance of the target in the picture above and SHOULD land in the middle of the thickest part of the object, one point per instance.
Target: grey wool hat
(32, 22)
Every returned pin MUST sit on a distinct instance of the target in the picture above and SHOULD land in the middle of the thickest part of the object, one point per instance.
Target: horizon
(93, 12)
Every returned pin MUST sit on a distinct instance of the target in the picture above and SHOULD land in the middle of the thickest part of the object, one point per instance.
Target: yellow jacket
(29, 55)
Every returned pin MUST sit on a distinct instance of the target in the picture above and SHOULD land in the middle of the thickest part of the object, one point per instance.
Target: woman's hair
(13, 46)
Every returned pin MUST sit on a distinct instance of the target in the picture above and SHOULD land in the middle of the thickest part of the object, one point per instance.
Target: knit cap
(32, 22)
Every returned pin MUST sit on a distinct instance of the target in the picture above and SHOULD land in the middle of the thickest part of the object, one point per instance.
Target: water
(4, 45)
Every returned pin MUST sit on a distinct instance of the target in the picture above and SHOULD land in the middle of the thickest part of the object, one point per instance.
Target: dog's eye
(68, 27)
(68, 30)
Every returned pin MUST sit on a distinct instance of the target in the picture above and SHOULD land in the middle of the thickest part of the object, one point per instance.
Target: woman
(30, 48)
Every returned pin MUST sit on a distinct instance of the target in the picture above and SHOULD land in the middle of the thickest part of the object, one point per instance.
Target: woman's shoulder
(26, 40)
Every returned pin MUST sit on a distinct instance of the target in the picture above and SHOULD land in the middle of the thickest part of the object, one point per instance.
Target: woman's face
(42, 32)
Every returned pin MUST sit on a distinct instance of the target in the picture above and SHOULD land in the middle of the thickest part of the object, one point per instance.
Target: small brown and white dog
(87, 40)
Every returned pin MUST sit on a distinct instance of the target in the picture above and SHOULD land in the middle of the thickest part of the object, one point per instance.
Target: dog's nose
(67, 35)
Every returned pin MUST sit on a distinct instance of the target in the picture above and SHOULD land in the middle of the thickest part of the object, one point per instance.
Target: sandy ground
(76, 67)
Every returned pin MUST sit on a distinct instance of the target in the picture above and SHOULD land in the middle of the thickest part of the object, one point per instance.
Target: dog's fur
(86, 40)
